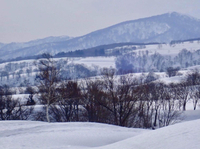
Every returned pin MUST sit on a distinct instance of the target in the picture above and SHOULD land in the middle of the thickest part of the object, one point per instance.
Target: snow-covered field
(101, 62)
(41, 135)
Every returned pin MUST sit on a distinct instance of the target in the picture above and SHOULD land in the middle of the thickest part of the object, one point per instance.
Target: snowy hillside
(161, 28)
(159, 57)
(163, 49)
(41, 135)
(179, 136)
(6, 49)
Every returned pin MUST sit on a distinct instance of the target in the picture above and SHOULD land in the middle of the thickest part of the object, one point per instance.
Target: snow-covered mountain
(7, 49)
(161, 28)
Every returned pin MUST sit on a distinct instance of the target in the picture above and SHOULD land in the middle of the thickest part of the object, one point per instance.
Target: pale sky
(25, 20)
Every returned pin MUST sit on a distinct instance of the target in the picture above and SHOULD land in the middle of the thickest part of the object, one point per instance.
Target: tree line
(143, 61)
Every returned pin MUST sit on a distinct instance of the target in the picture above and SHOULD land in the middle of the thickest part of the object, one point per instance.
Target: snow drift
(40, 135)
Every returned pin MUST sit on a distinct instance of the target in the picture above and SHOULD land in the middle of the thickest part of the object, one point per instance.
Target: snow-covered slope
(180, 136)
(40, 135)
(6, 49)
(161, 28)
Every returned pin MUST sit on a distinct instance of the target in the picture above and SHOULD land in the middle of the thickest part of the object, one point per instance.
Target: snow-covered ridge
(182, 15)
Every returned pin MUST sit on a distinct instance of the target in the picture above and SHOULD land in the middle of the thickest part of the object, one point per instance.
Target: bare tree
(195, 95)
(121, 97)
(126, 98)
(95, 101)
(47, 79)
(157, 95)
(110, 99)
(12, 109)
(169, 113)
(157, 106)
(183, 94)
(66, 109)
(145, 107)
(193, 78)
(30, 90)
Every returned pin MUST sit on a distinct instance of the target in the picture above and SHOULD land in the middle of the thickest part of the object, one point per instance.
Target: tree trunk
(155, 119)
(184, 106)
(47, 113)
(195, 104)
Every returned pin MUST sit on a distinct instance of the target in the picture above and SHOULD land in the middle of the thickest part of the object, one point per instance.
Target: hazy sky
(24, 20)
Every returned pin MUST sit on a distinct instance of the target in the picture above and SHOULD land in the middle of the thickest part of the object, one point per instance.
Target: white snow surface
(102, 62)
(42, 135)
(179, 136)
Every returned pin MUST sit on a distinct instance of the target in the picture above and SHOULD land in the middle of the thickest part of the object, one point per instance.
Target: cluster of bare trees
(12, 109)
(125, 101)
(119, 100)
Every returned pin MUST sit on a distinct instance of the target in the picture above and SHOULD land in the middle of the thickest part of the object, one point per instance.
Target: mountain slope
(7, 49)
(161, 28)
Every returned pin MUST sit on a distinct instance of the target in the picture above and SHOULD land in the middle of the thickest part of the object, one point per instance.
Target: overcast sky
(25, 20)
